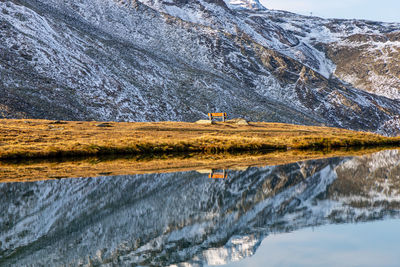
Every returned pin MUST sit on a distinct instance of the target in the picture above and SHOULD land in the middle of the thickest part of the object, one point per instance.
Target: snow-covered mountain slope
(164, 219)
(370, 62)
(365, 53)
(245, 4)
(177, 60)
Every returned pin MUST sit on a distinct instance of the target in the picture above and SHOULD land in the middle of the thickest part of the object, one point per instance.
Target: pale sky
(381, 10)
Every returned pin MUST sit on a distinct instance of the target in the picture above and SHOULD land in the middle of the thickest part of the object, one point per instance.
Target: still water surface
(327, 212)
(357, 244)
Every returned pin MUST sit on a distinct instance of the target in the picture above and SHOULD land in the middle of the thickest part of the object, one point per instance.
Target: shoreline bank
(24, 139)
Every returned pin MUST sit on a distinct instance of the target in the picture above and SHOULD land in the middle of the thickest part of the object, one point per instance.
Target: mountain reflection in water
(176, 218)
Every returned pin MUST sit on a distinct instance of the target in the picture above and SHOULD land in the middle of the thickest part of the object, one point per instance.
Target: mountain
(245, 4)
(130, 60)
(187, 218)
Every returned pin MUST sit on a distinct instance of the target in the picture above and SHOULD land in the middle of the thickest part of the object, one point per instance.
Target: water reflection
(218, 174)
(176, 218)
(368, 244)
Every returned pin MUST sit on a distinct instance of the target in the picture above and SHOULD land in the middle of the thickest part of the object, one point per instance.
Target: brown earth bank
(48, 139)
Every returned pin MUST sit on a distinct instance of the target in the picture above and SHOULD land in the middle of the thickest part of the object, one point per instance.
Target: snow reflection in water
(175, 218)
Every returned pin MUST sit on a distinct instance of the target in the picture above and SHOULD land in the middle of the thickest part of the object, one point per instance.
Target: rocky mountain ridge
(177, 60)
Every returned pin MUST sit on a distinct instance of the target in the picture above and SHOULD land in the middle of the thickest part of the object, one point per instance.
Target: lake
(341, 211)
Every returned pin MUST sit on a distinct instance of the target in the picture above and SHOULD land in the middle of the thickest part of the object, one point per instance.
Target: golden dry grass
(42, 138)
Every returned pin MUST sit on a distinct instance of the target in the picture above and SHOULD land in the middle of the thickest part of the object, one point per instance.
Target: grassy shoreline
(22, 139)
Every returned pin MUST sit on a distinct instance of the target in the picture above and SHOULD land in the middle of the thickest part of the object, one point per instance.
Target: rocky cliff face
(164, 219)
(177, 60)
